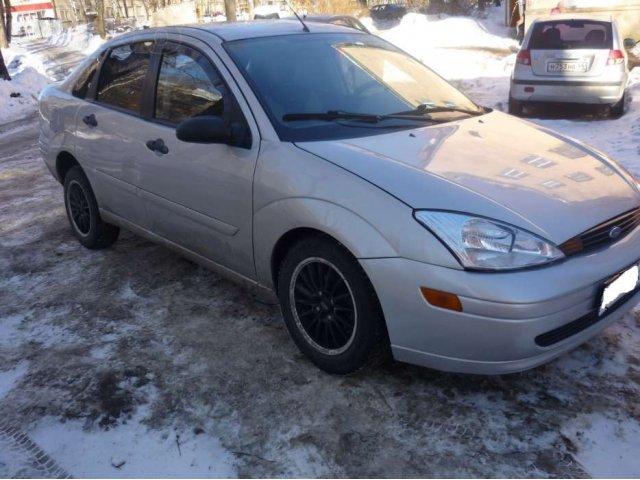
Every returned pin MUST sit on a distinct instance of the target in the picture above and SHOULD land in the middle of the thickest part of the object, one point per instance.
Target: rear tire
(83, 213)
(617, 109)
(330, 307)
(516, 107)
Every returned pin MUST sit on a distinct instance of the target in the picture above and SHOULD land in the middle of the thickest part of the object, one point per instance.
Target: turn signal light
(440, 299)
(523, 57)
(616, 57)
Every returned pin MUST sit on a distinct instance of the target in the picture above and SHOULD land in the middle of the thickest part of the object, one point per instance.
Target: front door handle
(90, 120)
(158, 146)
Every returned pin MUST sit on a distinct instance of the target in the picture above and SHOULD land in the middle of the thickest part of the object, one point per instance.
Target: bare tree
(7, 19)
(230, 10)
(100, 19)
(250, 7)
(5, 36)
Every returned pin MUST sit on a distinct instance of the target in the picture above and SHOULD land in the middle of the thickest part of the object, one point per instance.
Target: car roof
(572, 16)
(229, 31)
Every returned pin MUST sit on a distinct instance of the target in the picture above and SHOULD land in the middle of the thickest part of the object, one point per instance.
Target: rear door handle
(158, 146)
(90, 120)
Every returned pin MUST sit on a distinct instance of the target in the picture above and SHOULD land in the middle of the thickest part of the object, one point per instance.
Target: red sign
(32, 7)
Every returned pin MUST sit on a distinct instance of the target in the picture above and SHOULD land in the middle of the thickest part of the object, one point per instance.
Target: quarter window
(188, 86)
(123, 74)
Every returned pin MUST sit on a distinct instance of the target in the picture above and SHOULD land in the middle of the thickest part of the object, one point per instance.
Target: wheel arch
(283, 223)
(65, 162)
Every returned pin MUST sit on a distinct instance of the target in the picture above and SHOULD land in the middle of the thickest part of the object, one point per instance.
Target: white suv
(573, 60)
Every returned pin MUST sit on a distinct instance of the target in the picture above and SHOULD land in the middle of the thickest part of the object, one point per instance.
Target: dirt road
(136, 335)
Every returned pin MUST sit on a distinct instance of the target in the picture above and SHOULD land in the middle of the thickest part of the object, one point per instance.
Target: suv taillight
(523, 57)
(616, 57)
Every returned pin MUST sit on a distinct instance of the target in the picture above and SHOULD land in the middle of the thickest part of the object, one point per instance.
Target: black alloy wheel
(79, 208)
(323, 306)
(83, 212)
(330, 307)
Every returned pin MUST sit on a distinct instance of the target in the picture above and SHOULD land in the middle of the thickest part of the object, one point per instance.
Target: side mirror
(629, 43)
(204, 129)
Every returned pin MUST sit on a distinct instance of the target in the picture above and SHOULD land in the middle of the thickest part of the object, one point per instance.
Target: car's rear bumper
(569, 91)
(503, 313)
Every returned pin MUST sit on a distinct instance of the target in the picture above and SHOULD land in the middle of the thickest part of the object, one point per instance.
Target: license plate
(624, 283)
(574, 67)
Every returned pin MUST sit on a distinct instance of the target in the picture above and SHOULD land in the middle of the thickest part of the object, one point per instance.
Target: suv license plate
(624, 283)
(576, 67)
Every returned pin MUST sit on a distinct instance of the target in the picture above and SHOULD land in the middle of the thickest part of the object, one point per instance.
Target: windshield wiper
(426, 109)
(333, 115)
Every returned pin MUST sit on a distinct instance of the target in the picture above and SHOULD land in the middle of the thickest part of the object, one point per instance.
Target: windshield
(355, 73)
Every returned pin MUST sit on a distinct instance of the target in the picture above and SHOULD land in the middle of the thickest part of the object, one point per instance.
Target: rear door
(106, 143)
(199, 196)
(570, 48)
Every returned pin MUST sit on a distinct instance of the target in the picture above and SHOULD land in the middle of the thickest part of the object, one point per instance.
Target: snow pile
(78, 38)
(451, 46)
(19, 97)
(94, 43)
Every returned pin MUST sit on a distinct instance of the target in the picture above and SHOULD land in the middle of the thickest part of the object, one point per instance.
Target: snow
(133, 450)
(10, 378)
(78, 38)
(269, 411)
(606, 447)
(19, 97)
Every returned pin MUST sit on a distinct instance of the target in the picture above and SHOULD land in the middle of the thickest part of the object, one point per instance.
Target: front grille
(600, 235)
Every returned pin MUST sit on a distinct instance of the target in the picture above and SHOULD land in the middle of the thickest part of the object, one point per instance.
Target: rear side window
(188, 86)
(84, 83)
(571, 34)
(123, 74)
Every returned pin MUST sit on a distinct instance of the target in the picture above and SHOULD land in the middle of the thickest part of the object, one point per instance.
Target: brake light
(523, 57)
(616, 57)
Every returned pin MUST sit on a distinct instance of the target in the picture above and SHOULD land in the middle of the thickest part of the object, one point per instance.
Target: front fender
(274, 220)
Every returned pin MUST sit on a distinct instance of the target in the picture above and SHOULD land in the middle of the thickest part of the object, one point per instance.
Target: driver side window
(188, 86)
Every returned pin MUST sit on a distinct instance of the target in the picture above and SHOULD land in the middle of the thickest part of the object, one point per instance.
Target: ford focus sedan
(328, 170)
(572, 60)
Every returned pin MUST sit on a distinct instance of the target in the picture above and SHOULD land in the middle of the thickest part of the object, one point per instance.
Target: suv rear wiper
(332, 115)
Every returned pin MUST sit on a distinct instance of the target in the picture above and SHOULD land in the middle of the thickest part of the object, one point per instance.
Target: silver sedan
(573, 60)
(332, 172)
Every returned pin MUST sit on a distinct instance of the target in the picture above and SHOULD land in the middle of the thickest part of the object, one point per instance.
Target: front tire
(83, 213)
(330, 307)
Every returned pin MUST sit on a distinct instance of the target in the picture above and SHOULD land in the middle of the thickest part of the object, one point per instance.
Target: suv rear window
(571, 34)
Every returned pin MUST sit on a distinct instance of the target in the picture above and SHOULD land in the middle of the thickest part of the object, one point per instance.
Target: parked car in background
(378, 204)
(344, 20)
(568, 59)
(387, 11)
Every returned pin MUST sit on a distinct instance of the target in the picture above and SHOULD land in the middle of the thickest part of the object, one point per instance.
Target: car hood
(495, 166)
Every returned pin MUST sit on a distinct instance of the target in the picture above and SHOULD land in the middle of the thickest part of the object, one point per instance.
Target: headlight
(484, 244)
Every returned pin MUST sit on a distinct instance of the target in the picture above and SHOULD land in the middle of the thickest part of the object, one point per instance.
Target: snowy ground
(133, 362)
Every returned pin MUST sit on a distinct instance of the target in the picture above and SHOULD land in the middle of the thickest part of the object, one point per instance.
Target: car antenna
(304, 26)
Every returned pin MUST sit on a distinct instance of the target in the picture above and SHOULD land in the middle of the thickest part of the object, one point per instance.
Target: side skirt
(261, 292)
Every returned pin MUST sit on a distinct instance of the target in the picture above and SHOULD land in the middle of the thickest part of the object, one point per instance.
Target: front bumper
(503, 313)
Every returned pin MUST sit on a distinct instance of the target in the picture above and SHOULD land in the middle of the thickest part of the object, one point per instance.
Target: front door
(199, 196)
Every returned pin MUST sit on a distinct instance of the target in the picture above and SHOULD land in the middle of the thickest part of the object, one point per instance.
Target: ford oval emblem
(615, 232)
